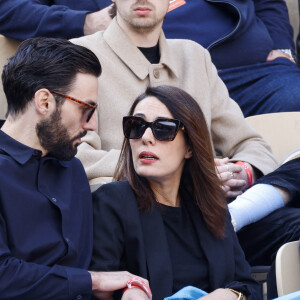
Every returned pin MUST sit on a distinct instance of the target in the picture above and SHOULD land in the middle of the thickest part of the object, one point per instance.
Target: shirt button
(54, 199)
(156, 74)
(79, 297)
(68, 241)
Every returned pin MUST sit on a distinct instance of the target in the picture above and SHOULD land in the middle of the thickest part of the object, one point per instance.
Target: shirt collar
(132, 56)
(20, 152)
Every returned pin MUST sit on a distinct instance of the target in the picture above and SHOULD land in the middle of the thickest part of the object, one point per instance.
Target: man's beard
(55, 139)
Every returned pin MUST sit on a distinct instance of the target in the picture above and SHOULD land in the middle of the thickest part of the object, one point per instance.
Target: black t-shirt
(189, 263)
(151, 53)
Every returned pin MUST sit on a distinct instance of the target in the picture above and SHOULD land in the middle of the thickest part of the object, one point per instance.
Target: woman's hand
(134, 294)
(105, 283)
(221, 294)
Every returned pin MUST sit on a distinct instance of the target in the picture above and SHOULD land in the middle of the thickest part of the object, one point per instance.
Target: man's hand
(105, 283)
(277, 53)
(134, 294)
(96, 21)
(233, 177)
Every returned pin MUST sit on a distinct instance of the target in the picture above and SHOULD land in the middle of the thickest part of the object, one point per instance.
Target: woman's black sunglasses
(163, 129)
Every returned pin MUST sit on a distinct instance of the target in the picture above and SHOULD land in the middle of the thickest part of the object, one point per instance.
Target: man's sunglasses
(163, 129)
(89, 112)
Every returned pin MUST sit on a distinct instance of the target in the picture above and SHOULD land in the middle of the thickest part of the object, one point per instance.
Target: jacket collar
(213, 248)
(131, 56)
(157, 251)
(20, 152)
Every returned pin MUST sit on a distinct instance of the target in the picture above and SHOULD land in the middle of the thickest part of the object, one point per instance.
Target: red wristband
(140, 284)
(248, 171)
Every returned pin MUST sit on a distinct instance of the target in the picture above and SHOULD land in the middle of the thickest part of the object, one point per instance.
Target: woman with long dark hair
(165, 218)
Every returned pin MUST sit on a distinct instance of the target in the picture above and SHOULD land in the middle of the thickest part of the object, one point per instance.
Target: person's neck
(166, 192)
(142, 38)
(22, 129)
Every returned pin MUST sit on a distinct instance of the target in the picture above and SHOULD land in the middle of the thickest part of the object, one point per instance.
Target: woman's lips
(148, 157)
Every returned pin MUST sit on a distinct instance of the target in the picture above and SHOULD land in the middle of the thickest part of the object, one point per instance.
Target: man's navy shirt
(45, 225)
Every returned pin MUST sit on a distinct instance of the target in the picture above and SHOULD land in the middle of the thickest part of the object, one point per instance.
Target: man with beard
(46, 211)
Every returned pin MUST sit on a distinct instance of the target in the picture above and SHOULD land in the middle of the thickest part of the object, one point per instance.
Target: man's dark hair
(49, 63)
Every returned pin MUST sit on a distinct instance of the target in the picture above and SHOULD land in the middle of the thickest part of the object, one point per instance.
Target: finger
(221, 161)
(233, 194)
(226, 176)
(230, 168)
(235, 183)
(225, 188)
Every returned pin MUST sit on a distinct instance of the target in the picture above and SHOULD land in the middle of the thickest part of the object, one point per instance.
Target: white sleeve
(254, 204)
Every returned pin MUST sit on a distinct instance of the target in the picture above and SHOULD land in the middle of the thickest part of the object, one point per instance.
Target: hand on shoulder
(97, 21)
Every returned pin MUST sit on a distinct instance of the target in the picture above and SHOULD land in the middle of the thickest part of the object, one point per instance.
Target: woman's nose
(148, 136)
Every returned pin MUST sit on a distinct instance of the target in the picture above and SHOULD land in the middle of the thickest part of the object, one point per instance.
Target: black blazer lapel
(157, 254)
(217, 251)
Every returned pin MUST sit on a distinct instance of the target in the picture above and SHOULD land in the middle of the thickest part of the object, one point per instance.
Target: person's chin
(147, 172)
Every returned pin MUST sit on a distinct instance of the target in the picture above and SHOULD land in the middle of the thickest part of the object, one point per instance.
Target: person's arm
(135, 294)
(23, 19)
(99, 165)
(24, 280)
(256, 203)
(232, 136)
(221, 294)
(274, 14)
(96, 21)
(109, 231)
(105, 283)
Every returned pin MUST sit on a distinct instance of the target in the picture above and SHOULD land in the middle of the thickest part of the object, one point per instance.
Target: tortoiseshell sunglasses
(90, 106)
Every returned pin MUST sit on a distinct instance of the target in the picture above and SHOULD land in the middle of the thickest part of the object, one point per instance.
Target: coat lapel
(157, 254)
(216, 250)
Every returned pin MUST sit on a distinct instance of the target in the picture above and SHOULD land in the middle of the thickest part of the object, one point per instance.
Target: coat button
(156, 74)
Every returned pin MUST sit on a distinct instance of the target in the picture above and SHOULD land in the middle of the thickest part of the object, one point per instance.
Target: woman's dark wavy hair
(50, 63)
(199, 176)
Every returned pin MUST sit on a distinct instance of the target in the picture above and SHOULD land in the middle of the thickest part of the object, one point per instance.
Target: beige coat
(126, 73)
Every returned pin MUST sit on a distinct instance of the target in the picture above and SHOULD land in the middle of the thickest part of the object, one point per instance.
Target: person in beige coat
(181, 63)
(135, 54)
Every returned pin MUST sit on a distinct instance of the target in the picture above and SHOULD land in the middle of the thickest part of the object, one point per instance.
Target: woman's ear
(188, 153)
